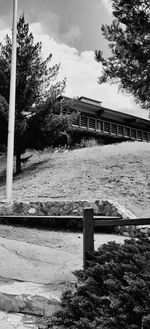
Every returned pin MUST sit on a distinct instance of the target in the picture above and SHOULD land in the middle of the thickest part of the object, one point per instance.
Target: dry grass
(120, 172)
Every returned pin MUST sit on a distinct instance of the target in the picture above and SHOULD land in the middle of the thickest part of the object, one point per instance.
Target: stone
(80, 210)
(38, 305)
(11, 303)
(125, 233)
(66, 206)
(32, 211)
(34, 305)
(18, 208)
(75, 211)
(145, 230)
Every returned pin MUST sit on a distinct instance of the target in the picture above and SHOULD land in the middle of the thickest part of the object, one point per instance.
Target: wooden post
(88, 234)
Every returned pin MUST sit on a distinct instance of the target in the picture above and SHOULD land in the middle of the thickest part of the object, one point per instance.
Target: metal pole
(11, 120)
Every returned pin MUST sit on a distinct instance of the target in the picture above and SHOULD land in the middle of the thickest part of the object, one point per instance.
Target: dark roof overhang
(90, 106)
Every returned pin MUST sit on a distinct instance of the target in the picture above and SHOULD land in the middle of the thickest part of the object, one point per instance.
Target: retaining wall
(63, 208)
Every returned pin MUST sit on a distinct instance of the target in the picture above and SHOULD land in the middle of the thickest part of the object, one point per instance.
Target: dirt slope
(118, 172)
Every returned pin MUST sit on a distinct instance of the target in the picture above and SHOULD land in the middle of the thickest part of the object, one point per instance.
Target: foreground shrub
(112, 293)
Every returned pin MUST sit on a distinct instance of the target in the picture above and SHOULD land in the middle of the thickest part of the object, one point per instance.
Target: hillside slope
(118, 172)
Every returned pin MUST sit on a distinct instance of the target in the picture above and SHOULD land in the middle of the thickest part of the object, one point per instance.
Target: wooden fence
(90, 222)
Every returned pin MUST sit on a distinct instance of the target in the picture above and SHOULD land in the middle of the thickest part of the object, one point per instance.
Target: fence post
(88, 234)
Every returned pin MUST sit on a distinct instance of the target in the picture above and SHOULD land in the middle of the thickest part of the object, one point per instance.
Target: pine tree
(3, 122)
(51, 124)
(129, 41)
(34, 81)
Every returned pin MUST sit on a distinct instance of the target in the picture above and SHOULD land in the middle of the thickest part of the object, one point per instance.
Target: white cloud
(3, 33)
(108, 5)
(82, 71)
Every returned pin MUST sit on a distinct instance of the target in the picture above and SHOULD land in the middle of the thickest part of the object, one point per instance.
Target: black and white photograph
(75, 164)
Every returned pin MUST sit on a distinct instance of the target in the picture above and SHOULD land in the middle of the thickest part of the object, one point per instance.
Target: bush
(85, 138)
(91, 142)
(112, 293)
(88, 142)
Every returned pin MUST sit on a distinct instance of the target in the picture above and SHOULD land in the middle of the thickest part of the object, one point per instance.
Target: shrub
(88, 142)
(112, 293)
(91, 142)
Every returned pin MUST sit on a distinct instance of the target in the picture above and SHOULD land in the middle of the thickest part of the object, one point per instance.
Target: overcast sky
(70, 30)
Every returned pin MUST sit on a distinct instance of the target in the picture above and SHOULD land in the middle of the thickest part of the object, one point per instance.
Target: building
(107, 124)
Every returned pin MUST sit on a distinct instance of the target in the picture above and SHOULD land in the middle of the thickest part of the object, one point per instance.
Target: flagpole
(11, 120)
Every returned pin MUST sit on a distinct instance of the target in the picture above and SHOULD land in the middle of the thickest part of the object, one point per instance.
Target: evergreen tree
(129, 41)
(3, 122)
(34, 81)
(51, 123)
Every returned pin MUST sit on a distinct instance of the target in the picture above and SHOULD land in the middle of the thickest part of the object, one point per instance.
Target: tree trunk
(18, 163)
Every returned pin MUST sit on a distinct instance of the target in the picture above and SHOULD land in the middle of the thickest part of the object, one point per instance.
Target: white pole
(11, 121)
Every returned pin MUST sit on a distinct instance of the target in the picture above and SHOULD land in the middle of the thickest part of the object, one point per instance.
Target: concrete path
(51, 265)
(29, 262)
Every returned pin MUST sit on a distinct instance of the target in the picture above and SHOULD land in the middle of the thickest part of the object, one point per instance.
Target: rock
(34, 305)
(11, 303)
(38, 305)
(32, 211)
(125, 233)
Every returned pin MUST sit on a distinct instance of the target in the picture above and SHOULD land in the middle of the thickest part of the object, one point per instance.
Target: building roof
(94, 107)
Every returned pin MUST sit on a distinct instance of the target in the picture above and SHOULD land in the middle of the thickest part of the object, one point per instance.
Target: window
(120, 130)
(139, 135)
(91, 123)
(84, 122)
(127, 132)
(106, 127)
(145, 136)
(133, 133)
(99, 125)
(75, 122)
(113, 129)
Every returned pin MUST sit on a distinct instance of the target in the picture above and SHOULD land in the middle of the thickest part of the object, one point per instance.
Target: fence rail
(90, 221)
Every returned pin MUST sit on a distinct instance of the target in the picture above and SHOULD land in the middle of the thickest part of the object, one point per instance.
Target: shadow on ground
(27, 170)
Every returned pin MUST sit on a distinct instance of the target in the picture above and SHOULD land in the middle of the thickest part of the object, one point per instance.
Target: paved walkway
(28, 270)
(28, 262)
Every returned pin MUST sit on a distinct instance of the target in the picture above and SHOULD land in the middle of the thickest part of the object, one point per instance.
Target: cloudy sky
(70, 30)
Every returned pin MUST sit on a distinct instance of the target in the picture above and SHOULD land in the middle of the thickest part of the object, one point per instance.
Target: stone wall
(54, 208)
(63, 208)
